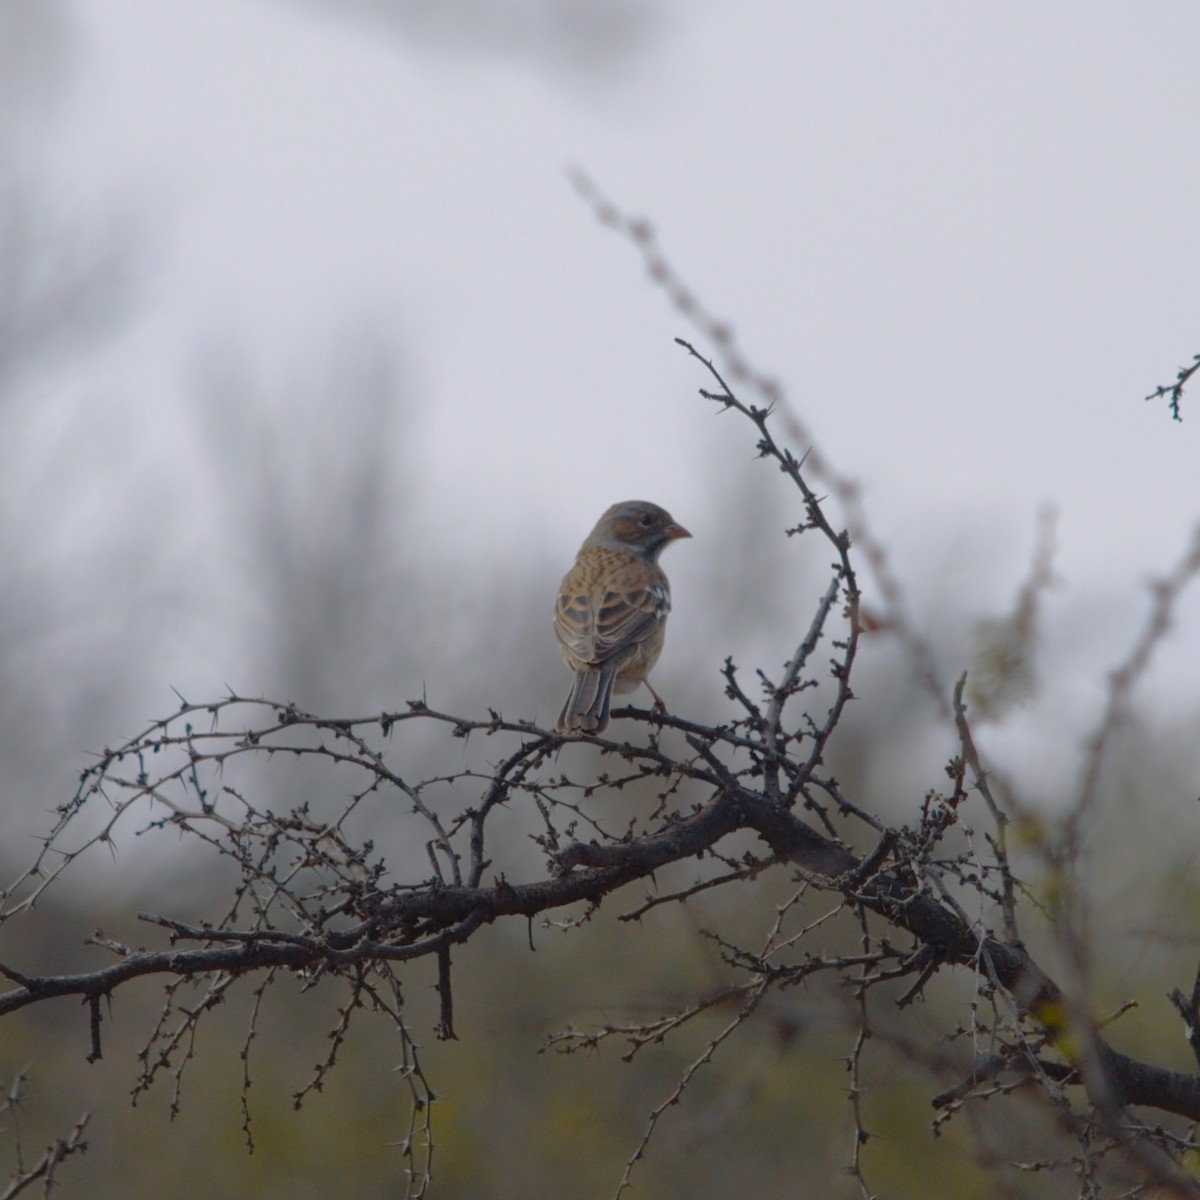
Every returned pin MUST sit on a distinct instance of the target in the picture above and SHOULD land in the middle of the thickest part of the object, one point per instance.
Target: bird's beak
(675, 530)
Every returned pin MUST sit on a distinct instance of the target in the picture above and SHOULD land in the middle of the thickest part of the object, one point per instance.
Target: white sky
(964, 236)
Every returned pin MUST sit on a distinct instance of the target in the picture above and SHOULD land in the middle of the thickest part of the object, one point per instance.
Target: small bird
(612, 610)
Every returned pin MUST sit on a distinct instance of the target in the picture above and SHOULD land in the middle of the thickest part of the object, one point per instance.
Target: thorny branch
(45, 1169)
(1174, 390)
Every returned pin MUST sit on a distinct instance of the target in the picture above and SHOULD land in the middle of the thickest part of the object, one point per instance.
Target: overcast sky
(964, 237)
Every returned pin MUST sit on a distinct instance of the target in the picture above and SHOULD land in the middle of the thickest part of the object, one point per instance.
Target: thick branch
(937, 926)
(418, 923)
(408, 925)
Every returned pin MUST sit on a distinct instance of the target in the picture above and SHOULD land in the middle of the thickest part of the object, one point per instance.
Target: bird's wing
(599, 626)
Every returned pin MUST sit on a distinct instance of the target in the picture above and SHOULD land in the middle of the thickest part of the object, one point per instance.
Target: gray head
(638, 526)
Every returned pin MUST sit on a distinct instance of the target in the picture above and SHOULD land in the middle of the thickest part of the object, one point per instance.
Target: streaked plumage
(612, 610)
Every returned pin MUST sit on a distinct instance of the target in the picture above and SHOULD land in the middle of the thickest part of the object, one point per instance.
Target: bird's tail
(586, 709)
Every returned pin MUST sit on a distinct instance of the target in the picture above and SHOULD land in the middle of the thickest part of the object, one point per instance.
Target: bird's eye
(646, 520)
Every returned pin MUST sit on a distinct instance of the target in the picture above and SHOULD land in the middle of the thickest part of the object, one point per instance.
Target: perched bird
(612, 610)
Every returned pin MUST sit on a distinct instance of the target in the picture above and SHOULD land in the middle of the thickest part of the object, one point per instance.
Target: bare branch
(1175, 390)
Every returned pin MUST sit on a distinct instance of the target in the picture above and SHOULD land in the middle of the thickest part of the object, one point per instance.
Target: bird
(612, 609)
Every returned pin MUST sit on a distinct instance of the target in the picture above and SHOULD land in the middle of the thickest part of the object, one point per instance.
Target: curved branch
(410, 925)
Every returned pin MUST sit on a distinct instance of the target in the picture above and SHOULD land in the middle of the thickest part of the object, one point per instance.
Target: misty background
(315, 370)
